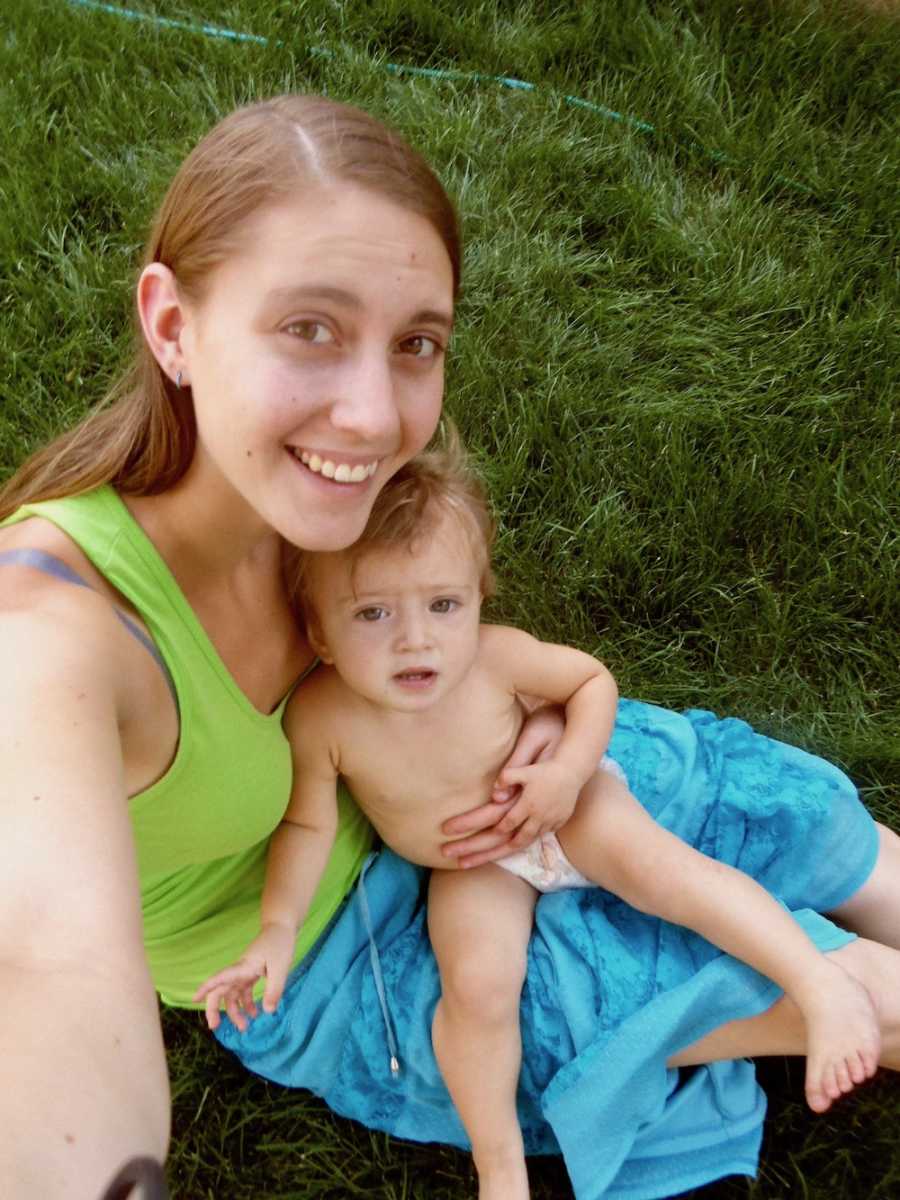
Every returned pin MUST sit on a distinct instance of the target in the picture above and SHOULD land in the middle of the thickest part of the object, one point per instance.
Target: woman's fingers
(529, 831)
(486, 856)
(539, 736)
(479, 843)
(518, 816)
(485, 816)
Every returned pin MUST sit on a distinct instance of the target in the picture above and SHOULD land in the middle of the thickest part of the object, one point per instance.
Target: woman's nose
(367, 402)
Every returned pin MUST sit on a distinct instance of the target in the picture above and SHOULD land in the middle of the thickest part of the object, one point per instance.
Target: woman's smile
(335, 466)
(322, 342)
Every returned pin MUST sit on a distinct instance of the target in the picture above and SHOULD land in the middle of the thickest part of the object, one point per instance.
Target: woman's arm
(85, 1084)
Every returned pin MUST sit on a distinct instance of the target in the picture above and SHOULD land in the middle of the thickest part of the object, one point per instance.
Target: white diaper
(543, 864)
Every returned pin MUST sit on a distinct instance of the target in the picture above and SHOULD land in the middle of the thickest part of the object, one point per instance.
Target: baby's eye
(311, 331)
(373, 613)
(420, 346)
(444, 605)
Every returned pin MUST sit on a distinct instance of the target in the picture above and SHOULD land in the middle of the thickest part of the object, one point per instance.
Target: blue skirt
(611, 993)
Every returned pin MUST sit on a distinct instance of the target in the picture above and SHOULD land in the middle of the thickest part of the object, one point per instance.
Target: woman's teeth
(340, 472)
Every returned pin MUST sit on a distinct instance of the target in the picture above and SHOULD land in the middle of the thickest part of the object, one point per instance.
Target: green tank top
(201, 830)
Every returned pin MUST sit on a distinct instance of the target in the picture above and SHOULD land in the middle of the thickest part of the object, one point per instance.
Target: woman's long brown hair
(141, 437)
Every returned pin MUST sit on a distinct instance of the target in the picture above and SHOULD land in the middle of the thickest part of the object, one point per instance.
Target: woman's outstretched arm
(85, 1084)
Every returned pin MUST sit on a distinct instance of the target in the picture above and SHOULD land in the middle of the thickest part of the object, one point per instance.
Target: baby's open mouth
(416, 675)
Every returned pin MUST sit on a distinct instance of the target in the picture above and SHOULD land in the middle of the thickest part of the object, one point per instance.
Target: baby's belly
(414, 830)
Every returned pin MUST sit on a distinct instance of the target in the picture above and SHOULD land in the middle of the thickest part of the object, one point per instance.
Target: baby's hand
(549, 794)
(231, 989)
(843, 1038)
(268, 956)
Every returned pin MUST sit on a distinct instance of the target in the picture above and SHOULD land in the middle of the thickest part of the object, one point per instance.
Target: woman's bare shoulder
(41, 534)
(24, 586)
(52, 627)
(28, 587)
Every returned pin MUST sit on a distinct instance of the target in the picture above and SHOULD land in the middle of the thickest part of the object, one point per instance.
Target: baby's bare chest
(410, 780)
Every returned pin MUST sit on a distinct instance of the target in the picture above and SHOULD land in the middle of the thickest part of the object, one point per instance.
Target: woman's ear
(162, 315)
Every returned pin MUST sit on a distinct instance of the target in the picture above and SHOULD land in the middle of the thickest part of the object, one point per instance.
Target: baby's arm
(562, 675)
(616, 843)
(298, 853)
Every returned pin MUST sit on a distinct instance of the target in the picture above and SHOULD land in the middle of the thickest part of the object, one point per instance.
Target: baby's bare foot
(843, 1039)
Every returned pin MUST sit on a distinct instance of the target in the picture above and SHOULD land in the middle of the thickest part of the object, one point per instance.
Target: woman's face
(316, 360)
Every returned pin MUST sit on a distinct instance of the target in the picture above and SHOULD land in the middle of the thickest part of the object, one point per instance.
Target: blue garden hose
(216, 31)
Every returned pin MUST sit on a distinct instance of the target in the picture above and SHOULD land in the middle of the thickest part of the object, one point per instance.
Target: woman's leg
(874, 911)
(480, 921)
(780, 1029)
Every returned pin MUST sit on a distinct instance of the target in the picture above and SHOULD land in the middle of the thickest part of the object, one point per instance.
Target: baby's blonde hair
(433, 485)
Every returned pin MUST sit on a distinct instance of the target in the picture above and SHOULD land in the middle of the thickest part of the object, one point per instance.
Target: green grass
(676, 361)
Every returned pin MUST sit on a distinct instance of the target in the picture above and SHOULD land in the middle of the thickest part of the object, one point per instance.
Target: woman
(295, 303)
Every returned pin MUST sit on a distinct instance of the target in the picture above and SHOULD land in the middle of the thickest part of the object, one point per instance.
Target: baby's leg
(608, 837)
(586, 835)
(480, 922)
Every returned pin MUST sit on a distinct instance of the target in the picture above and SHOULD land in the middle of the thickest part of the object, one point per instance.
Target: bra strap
(40, 560)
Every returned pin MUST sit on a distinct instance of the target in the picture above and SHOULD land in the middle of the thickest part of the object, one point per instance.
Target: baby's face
(401, 628)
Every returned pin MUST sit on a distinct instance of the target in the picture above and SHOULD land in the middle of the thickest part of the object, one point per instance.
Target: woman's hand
(268, 956)
(506, 822)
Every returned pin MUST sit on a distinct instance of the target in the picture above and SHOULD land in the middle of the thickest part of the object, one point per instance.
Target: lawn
(676, 362)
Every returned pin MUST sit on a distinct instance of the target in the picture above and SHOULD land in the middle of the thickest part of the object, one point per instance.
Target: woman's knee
(874, 910)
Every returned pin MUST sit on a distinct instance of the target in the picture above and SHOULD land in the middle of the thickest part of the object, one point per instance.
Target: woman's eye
(444, 605)
(311, 331)
(420, 346)
(372, 613)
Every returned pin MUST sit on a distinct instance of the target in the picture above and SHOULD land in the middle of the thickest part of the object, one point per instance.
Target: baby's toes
(860, 1067)
(816, 1092)
(869, 1057)
(865, 1063)
(842, 1078)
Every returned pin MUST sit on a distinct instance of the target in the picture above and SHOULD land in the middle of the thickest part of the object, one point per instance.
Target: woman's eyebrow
(315, 291)
(347, 299)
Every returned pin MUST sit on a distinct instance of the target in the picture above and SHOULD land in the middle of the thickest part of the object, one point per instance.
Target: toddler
(417, 704)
